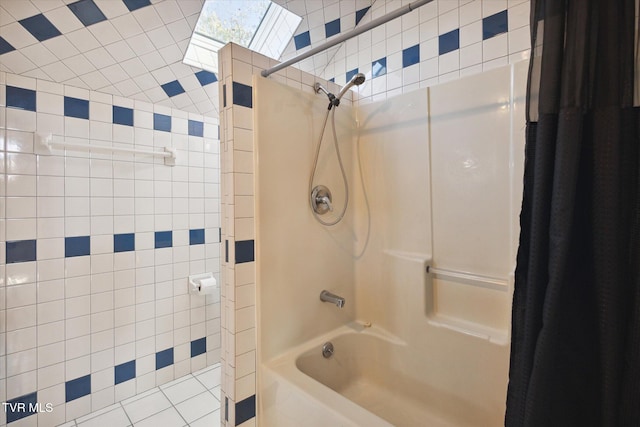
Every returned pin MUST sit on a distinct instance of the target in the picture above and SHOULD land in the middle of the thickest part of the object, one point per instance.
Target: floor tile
(114, 418)
(198, 406)
(147, 406)
(176, 381)
(209, 420)
(184, 390)
(167, 418)
(97, 413)
(139, 396)
(216, 392)
(191, 400)
(210, 378)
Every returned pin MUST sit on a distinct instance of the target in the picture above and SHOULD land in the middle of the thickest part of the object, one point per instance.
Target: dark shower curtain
(575, 351)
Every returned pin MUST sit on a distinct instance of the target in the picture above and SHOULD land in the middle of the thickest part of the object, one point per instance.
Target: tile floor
(192, 400)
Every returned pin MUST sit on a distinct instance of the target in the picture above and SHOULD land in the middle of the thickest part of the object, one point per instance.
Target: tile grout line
(125, 413)
(174, 406)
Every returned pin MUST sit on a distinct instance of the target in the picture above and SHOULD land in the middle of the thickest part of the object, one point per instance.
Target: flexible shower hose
(315, 165)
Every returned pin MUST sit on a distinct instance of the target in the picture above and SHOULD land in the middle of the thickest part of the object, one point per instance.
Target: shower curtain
(575, 351)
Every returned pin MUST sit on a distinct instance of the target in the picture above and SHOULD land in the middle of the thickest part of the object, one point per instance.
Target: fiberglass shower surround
(432, 288)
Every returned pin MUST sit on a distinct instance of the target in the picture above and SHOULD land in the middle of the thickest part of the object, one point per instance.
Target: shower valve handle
(325, 200)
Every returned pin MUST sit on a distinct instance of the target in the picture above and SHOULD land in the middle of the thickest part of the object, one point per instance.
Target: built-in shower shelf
(469, 303)
(496, 336)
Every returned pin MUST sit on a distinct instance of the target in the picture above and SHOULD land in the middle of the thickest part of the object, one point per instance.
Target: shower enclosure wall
(94, 301)
(424, 260)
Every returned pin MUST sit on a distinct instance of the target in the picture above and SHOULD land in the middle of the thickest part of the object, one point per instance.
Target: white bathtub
(362, 384)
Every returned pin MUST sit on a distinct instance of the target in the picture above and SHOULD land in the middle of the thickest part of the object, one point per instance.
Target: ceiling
(134, 48)
(129, 48)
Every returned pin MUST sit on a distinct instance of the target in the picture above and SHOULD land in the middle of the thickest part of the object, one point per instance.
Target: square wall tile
(122, 116)
(449, 42)
(161, 122)
(77, 388)
(77, 246)
(164, 358)
(125, 372)
(20, 251)
(23, 99)
(75, 107)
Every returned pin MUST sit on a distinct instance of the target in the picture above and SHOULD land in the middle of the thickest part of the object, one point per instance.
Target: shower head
(357, 80)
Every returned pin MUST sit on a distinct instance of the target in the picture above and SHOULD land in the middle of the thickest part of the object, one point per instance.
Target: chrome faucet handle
(325, 200)
(321, 200)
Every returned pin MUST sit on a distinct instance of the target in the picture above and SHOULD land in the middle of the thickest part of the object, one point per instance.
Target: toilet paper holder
(202, 284)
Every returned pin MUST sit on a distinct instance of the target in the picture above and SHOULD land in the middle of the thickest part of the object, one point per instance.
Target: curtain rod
(346, 36)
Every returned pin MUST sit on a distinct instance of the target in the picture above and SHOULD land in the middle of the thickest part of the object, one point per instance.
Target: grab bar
(471, 279)
(46, 143)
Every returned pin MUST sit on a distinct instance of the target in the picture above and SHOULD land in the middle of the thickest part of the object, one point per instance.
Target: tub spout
(327, 296)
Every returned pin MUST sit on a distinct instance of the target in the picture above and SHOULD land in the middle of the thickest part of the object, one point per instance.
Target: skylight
(259, 25)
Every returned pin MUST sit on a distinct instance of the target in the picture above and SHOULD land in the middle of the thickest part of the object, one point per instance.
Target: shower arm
(340, 38)
(332, 98)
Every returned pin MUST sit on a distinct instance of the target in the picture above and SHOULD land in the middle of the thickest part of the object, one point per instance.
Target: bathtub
(361, 384)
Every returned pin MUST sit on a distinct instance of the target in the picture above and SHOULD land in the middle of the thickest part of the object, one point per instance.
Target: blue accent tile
(245, 410)
(77, 246)
(196, 237)
(332, 28)
(244, 251)
(40, 27)
(226, 250)
(5, 46)
(361, 13)
(21, 407)
(122, 116)
(351, 73)
(161, 122)
(411, 56)
(448, 42)
(173, 88)
(196, 128)
(164, 358)
(124, 242)
(198, 347)
(125, 371)
(495, 24)
(379, 67)
(164, 239)
(332, 80)
(205, 77)
(77, 388)
(302, 40)
(24, 99)
(75, 107)
(21, 251)
(242, 95)
(87, 12)
(136, 4)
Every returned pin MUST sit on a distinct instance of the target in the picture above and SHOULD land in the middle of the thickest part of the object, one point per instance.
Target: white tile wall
(422, 26)
(238, 302)
(63, 318)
